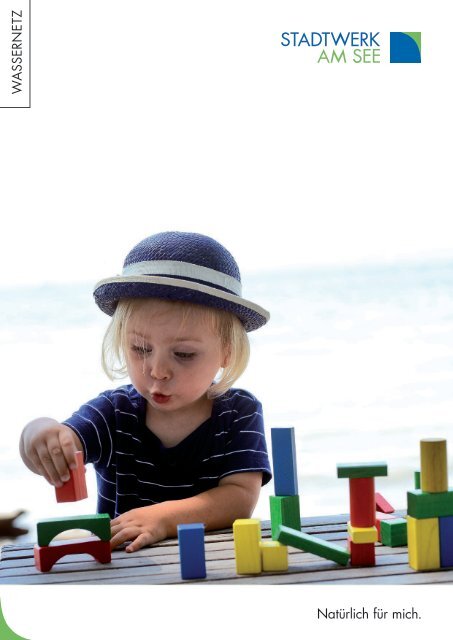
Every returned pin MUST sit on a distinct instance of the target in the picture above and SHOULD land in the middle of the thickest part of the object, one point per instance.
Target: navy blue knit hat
(176, 265)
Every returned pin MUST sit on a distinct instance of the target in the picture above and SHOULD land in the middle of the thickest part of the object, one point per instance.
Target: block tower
(48, 551)
(430, 510)
(47, 554)
(362, 531)
(253, 554)
(284, 505)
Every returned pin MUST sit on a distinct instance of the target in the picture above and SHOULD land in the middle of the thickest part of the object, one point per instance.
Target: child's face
(171, 361)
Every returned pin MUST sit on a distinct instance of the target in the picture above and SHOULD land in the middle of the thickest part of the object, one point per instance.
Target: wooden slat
(159, 564)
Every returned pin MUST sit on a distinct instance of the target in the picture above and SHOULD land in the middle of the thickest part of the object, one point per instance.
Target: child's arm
(48, 449)
(235, 497)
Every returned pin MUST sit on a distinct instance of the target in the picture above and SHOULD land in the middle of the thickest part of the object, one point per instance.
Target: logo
(356, 47)
(405, 46)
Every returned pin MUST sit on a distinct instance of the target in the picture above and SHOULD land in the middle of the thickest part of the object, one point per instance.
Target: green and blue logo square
(405, 46)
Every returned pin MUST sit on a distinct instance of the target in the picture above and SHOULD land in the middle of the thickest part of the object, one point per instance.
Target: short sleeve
(94, 423)
(245, 446)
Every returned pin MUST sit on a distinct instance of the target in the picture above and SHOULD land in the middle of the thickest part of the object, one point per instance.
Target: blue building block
(284, 461)
(191, 551)
(446, 541)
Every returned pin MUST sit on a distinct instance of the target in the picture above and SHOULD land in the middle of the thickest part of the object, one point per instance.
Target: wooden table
(159, 564)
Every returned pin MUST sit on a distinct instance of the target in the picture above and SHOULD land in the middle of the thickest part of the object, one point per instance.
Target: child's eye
(184, 355)
(140, 349)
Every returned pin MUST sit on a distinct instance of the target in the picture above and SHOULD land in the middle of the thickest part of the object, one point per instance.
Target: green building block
(313, 544)
(416, 479)
(394, 532)
(98, 523)
(284, 510)
(421, 504)
(361, 470)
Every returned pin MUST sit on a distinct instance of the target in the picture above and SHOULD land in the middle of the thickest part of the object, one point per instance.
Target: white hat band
(183, 269)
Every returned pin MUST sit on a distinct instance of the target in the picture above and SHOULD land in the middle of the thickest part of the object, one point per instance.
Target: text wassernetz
(16, 51)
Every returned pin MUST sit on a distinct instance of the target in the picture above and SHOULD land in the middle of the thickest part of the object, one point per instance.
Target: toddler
(179, 444)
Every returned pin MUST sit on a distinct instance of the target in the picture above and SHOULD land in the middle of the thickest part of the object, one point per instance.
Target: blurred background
(358, 359)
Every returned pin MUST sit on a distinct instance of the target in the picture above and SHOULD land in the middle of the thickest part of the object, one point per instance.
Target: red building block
(75, 488)
(382, 505)
(362, 555)
(362, 502)
(46, 557)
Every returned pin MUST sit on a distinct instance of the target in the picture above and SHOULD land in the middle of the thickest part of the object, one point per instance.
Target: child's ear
(226, 358)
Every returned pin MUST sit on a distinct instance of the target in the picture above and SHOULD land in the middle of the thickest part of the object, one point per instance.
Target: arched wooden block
(46, 557)
(99, 524)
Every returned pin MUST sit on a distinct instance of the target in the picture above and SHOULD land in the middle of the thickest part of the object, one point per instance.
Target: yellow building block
(423, 543)
(247, 536)
(433, 458)
(274, 555)
(362, 535)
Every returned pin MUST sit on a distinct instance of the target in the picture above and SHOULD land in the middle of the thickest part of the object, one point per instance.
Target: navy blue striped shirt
(134, 469)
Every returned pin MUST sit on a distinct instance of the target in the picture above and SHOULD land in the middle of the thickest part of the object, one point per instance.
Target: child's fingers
(140, 541)
(68, 449)
(33, 462)
(120, 535)
(125, 533)
(53, 463)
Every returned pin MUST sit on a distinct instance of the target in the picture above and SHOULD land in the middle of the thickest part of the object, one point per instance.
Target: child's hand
(143, 526)
(48, 449)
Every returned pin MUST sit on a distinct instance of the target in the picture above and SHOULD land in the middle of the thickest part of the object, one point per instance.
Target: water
(358, 360)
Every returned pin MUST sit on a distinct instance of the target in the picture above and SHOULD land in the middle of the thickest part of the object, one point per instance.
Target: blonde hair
(233, 339)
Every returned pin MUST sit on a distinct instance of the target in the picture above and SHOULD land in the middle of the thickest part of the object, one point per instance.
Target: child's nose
(159, 369)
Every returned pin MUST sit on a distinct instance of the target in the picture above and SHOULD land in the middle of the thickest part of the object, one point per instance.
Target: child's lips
(160, 398)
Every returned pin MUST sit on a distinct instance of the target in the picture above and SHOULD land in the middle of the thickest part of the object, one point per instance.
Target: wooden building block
(284, 461)
(433, 458)
(362, 502)
(423, 543)
(247, 536)
(394, 532)
(362, 555)
(274, 555)
(382, 505)
(47, 556)
(378, 523)
(191, 551)
(416, 479)
(99, 524)
(284, 510)
(362, 535)
(446, 541)
(76, 487)
(429, 505)
(361, 469)
(313, 544)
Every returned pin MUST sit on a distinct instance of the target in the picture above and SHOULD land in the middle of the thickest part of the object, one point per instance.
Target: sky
(190, 115)
(285, 161)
